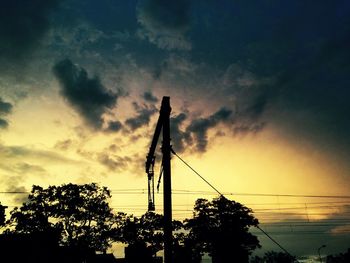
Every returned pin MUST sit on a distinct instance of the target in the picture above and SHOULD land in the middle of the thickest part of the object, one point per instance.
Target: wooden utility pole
(166, 149)
(162, 124)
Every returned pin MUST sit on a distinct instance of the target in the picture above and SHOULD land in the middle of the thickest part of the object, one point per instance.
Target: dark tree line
(80, 217)
(71, 222)
(79, 213)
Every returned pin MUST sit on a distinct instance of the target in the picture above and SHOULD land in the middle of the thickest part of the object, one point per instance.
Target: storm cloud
(198, 129)
(86, 95)
(3, 124)
(5, 109)
(195, 134)
(22, 25)
(142, 118)
(178, 136)
(114, 163)
(149, 97)
(165, 23)
(302, 48)
(114, 126)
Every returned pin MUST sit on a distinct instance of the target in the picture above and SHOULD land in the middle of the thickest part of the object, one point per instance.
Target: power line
(259, 194)
(181, 191)
(216, 190)
(273, 240)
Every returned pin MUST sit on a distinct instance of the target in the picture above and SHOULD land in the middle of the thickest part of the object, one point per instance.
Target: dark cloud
(257, 108)
(301, 47)
(3, 124)
(149, 97)
(251, 119)
(165, 22)
(114, 163)
(114, 126)
(196, 133)
(5, 109)
(22, 25)
(198, 129)
(142, 118)
(87, 95)
(178, 136)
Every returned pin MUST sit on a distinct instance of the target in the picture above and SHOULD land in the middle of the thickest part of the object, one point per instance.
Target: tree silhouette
(221, 228)
(146, 231)
(186, 250)
(2, 215)
(80, 213)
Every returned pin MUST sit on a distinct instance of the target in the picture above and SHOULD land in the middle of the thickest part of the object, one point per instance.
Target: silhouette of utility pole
(162, 124)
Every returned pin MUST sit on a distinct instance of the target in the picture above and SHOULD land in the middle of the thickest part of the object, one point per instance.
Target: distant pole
(319, 255)
(166, 149)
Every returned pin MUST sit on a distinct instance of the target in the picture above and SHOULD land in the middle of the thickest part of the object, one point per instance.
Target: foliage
(80, 213)
(147, 230)
(2, 215)
(221, 228)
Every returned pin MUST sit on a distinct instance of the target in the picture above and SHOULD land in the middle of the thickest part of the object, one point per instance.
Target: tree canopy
(80, 213)
(147, 230)
(2, 215)
(221, 228)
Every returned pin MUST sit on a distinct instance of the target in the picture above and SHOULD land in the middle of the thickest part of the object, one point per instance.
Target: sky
(259, 93)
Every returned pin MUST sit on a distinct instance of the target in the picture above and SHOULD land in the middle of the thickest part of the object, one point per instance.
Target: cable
(264, 194)
(216, 190)
(225, 197)
(274, 241)
(181, 191)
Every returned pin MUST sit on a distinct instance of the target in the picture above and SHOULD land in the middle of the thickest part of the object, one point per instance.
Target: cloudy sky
(259, 94)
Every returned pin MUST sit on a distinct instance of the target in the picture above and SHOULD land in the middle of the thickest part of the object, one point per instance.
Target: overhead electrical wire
(216, 190)
(264, 232)
(180, 191)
